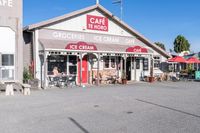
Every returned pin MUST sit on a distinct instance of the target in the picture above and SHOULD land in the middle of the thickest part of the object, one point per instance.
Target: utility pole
(121, 7)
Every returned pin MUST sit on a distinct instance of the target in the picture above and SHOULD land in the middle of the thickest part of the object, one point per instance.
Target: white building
(11, 46)
(90, 42)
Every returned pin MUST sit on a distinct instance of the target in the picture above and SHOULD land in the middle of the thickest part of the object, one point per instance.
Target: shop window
(72, 60)
(113, 62)
(8, 74)
(58, 61)
(109, 62)
(157, 62)
(145, 64)
(137, 63)
(106, 62)
(72, 64)
(7, 60)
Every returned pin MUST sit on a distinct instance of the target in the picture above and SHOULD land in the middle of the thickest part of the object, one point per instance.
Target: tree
(161, 45)
(181, 44)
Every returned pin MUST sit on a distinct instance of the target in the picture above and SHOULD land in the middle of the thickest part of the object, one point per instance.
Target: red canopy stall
(193, 60)
(177, 59)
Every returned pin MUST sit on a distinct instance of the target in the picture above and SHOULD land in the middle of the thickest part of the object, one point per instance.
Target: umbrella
(192, 60)
(177, 59)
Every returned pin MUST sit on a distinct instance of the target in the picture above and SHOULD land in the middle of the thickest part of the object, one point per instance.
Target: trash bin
(197, 75)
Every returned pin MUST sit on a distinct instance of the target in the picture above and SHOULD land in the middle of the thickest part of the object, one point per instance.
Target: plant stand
(124, 81)
(151, 79)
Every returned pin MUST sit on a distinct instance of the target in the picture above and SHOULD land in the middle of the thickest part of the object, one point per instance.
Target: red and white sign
(97, 23)
(81, 46)
(137, 49)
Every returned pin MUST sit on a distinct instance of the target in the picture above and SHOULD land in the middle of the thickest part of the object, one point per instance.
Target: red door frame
(84, 69)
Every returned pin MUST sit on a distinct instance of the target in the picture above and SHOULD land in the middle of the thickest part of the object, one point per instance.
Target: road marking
(169, 108)
(78, 125)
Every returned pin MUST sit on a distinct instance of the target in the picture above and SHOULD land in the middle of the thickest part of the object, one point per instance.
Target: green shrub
(27, 75)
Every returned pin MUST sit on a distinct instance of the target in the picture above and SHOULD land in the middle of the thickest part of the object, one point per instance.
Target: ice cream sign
(81, 46)
(97, 23)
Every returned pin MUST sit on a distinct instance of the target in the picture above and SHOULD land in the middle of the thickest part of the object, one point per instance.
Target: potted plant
(26, 75)
(123, 77)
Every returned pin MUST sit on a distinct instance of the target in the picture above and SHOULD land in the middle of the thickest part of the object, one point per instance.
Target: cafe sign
(81, 46)
(6, 3)
(11, 9)
(97, 23)
(137, 49)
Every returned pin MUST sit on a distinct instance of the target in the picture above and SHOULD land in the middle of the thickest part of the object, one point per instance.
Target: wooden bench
(10, 86)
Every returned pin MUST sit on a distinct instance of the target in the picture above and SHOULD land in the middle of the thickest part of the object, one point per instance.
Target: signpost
(197, 75)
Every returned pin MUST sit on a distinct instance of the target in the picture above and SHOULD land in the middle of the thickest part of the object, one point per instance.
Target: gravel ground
(161, 107)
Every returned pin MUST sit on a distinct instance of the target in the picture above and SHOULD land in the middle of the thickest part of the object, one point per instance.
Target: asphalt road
(163, 107)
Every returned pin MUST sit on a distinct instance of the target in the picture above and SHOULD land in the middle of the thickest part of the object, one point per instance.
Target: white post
(81, 62)
(97, 2)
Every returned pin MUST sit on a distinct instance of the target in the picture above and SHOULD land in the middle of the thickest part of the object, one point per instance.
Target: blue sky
(158, 20)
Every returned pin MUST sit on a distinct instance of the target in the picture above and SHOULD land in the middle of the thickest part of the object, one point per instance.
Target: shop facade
(11, 45)
(90, 43)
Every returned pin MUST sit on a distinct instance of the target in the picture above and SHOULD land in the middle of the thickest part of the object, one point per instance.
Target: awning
(137, 49)
(193, 60)
(177, 59)
(47, 44)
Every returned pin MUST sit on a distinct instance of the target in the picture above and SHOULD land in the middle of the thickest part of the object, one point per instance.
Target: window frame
(9, 63)
(7, 67)
(110, 58)
(157, 61)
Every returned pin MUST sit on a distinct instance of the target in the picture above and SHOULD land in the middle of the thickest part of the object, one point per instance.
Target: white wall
(7, 46)
(7, 40)
(79, 24)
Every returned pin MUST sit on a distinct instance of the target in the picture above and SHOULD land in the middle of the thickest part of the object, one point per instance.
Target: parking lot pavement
(161, 107)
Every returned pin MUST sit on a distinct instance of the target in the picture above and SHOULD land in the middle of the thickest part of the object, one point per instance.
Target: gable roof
(106, 13)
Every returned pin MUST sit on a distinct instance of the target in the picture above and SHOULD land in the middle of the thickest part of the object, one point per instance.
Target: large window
(109, 62)
(7, 69)
(137, 63)
(145, 64)
(113, 62)
(7, 74)
(58, 61)
(7, 60)
(72, 67)
(156, 61)
(106, 61)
